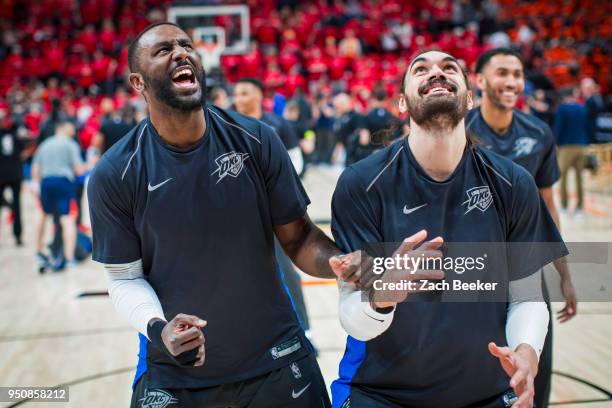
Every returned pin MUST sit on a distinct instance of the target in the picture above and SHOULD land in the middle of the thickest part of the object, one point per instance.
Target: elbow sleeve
(528, 317)
(132, 296)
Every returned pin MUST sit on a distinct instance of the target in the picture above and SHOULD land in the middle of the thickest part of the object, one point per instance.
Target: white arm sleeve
(527, 320)
(132, 296)
(297, 160)
(357, 317)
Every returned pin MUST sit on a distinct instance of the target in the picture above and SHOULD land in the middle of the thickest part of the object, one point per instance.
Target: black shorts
(299, 385)
(360, 399)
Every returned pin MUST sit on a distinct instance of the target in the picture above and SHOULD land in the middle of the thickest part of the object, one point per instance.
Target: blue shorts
(56, 193)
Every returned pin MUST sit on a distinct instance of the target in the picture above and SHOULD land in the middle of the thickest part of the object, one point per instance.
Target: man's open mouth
(184, 77)
(438, 88)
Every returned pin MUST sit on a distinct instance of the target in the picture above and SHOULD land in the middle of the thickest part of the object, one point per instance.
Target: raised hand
(521, 366)
(415, 274)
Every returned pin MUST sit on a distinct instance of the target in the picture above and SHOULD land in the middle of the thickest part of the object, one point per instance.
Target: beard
(438, 112)
(163, 91)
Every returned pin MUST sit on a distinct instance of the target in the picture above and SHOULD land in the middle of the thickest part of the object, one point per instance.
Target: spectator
(219, 97)
(346, 124)
(540, 106)
(595, 105)
(571, 132)
(55, 166)
(323, 119)
(116, 124)
(48, 126)
(11, 175)
(350, 46)
(304, 108)
(306, 136)
(378, 117)
(102, 68)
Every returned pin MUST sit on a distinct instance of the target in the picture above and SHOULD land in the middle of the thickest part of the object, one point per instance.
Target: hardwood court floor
(50, 336)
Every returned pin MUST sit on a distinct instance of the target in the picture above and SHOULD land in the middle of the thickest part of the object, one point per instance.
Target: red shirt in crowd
(100, 66)
(88, 39)
(108, 39)
(288, 60)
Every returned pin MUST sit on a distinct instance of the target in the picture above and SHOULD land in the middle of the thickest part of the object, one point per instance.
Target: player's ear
(470, 100)
(137, 82)
(480, 81)
(402, 104)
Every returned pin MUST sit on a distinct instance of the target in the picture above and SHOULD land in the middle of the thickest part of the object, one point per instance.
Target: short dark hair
(255, 82)
(486, 56)
(135, 44)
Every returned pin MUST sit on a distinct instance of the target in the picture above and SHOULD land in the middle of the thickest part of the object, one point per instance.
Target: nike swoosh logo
(155, 187)
(300, 392)
(411, 210)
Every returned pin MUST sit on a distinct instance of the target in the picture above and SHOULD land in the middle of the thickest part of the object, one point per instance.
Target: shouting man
(184, 211)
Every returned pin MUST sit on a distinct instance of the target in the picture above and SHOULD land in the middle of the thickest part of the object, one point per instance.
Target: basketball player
(248, 98)
(437, 183)
(529, 142)
(184, 210)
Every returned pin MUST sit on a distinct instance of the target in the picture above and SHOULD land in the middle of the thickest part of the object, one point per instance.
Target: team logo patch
(295, 369)
(230, 164)
(157, 399)
(478, 197)
(524, 146)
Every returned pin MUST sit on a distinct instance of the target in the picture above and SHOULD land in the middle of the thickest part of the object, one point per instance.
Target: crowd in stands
(75, 50)
(68, 57)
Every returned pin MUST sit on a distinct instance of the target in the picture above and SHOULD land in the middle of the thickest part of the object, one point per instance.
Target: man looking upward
(436, 183)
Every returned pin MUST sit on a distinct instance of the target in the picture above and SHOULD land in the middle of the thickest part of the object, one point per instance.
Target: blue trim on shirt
(282, 276)
(141, 368)
(352, 359)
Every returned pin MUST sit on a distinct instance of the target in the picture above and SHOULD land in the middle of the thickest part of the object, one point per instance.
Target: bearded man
(184, 211)
(428, 352)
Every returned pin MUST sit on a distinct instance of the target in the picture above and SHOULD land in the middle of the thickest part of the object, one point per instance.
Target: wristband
(154, 332)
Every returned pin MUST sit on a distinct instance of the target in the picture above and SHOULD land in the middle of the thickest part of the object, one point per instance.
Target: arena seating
(337, 45)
